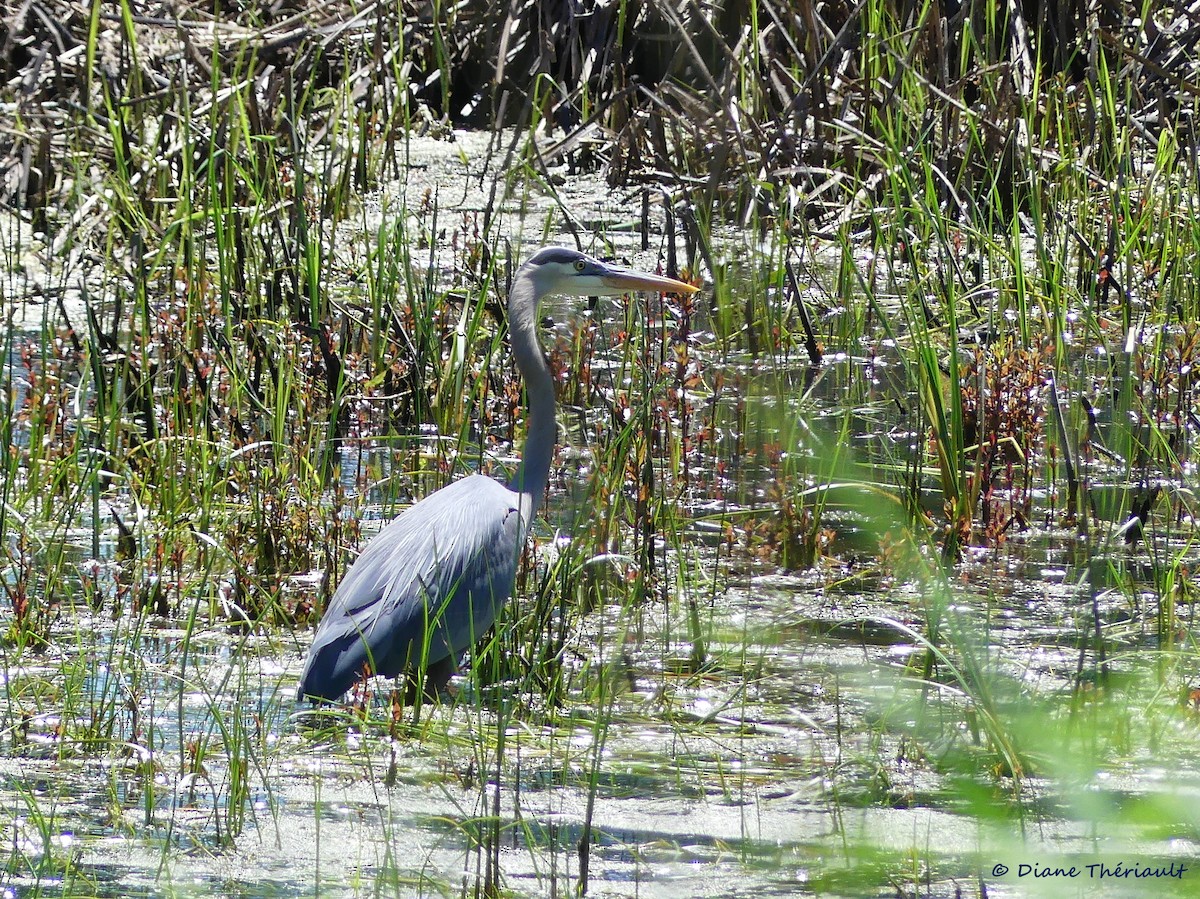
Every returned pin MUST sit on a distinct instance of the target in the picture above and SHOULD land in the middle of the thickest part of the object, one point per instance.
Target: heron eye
(580, 265)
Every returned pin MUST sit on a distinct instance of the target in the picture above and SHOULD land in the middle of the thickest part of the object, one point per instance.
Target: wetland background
(867, 571)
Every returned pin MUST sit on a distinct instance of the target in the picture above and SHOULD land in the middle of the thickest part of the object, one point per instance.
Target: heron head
(562, 271)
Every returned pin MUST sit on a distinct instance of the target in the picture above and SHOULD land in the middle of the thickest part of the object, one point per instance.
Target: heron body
(432, 582)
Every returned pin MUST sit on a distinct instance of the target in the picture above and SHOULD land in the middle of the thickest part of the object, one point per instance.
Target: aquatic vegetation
(889, 531)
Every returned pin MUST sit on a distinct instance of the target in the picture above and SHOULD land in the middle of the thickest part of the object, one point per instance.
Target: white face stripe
(561, 255)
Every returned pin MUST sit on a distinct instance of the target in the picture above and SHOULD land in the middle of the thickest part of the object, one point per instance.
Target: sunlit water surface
(810, 746)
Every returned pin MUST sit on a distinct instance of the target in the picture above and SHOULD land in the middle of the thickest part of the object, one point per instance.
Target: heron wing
(427, 587)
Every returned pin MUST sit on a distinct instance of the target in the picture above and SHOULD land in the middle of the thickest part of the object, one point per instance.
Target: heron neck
(534, 471)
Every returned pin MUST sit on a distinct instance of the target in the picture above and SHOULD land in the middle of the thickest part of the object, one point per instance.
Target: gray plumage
(432, 582)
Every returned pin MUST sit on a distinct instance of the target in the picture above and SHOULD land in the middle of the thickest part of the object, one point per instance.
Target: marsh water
(751, 729)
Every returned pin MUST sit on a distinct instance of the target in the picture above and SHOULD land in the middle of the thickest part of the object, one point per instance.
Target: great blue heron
(432, 582)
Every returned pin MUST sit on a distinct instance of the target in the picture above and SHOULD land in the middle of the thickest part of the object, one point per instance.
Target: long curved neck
(534, 471)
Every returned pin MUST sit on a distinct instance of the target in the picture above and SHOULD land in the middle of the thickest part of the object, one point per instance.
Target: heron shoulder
(460, 511)
(468, 524)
